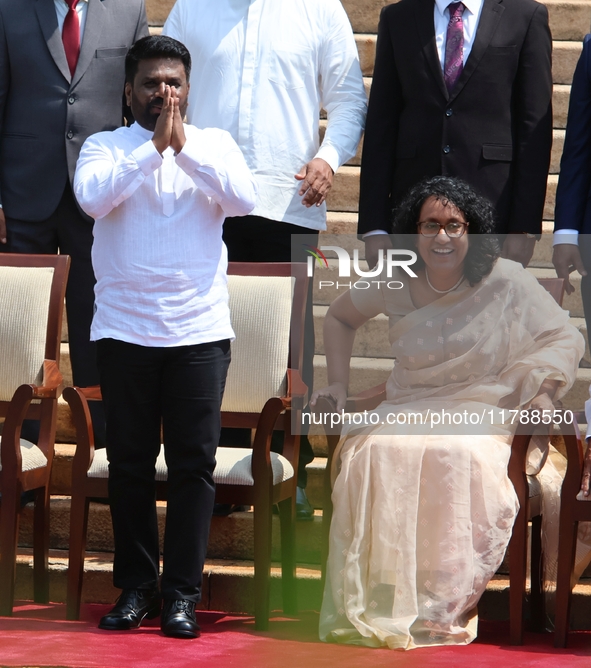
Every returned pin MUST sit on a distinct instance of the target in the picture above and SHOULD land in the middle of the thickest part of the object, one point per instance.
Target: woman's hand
(336, 391)
(542, 403)
(586, 479)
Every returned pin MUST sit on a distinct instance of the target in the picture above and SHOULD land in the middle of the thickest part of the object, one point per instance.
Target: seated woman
(422, 517)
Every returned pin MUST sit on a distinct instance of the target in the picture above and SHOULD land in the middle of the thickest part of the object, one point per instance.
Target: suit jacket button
(448, 112)
(446, 149)
(70, 134)
(71, 99)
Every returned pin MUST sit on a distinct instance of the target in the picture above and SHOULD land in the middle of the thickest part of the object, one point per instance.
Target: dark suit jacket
(494, 130)
(573, 203)
(45, 113)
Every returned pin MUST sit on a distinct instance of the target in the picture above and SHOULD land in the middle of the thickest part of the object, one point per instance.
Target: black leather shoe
(178, 619)
(225, 509)
(130, 610)
(304, 510)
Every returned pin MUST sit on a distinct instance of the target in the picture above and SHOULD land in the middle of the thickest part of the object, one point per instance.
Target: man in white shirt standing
(263, 71)
(159, 191)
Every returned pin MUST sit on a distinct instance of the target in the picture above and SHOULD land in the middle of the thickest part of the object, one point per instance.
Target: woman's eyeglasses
(429, 228)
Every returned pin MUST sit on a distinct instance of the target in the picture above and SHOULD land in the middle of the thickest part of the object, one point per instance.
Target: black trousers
(180, 389)
(70, 233)
(257, 239)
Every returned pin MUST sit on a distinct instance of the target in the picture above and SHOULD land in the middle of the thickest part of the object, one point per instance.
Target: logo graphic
(393, 257)
(318, 254)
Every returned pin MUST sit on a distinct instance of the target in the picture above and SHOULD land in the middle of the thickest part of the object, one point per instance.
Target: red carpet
(39, 636)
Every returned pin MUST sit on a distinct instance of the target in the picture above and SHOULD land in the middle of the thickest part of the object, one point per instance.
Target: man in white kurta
(159, 191)
(263, 71)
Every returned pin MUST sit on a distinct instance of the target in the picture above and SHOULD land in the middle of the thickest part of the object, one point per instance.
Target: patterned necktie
(71, 35)
(454, 46)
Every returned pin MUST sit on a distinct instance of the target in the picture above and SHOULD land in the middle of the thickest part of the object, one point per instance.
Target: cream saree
(422, 516)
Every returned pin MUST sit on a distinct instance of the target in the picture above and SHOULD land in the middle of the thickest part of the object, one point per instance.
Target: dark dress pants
(181, 389)
(257, 239)
(70, 233)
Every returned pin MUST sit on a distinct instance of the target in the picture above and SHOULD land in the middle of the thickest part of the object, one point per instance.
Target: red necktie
(71, 35)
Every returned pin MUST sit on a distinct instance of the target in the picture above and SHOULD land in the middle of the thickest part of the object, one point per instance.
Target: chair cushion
(233, 467)
(24, 308)
(100, 465)
(260, 309)
(32, 456)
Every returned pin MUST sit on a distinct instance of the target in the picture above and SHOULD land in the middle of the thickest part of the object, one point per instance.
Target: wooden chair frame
(13, 480)
(277, 414)
(572, 511)
(529, 509)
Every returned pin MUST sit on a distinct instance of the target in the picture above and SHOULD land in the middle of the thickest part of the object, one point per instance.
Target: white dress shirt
(61, 9)
(262, 69)
(470, 19)
(158, 254)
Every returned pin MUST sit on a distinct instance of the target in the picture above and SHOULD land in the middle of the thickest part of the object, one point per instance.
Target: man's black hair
(155, 46)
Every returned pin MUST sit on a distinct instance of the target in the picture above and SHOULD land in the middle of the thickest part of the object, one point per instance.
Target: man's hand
(566, 258)
(177, 140)
(373, 244)
(316, 179)
(2, 227)
(163, 130)
(519, 248)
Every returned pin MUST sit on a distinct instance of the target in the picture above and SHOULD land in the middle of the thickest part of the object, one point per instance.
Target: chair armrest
(10, 453)
(91, 393)
(571, 484)
(51, 385)
(296, 388)
(78, 401)
(261, 447)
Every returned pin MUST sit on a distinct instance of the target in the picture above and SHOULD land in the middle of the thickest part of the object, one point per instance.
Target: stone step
(565, 56)
(344, 194)
(557, 145)
(228, 585)
(230, 537)
(568, 20)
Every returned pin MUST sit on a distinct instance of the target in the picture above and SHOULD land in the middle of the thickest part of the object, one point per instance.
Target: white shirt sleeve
(173, 26)
(216, 165)
(566, 237)
(342, 91)
(101, 183)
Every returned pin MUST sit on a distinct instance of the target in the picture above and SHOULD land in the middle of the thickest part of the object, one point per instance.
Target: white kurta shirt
(262, 69)
(158, 254)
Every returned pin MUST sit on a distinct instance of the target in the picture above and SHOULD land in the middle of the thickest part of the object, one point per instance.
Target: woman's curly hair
(484, 248)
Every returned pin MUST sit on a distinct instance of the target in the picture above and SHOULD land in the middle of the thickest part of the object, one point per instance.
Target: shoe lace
(183, 605)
